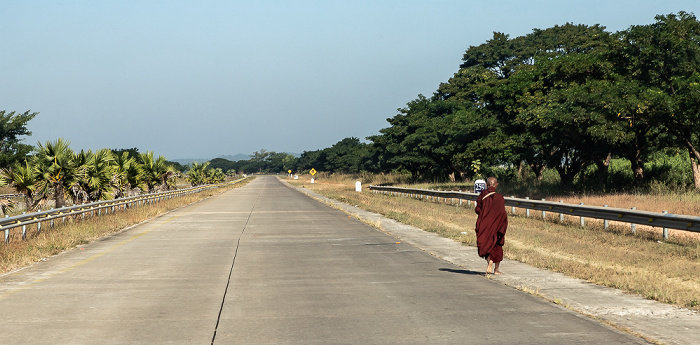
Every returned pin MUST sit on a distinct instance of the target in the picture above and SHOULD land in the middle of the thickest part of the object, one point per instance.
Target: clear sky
(200, 79)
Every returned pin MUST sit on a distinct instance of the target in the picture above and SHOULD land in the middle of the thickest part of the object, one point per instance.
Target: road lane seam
(233, 263)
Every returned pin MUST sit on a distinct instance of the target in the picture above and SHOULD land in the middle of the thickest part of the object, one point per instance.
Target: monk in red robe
(491, 225)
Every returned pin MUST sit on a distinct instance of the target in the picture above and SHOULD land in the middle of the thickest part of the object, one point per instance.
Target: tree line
(56, 172)
(52, 171)
(569, 99)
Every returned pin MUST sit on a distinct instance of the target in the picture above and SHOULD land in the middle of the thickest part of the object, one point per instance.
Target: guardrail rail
(656, 219)
(106, 206)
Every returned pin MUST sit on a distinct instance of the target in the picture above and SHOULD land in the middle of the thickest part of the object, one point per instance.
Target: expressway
(265, 264)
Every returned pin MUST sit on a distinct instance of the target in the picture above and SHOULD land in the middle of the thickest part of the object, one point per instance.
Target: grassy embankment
(74, 232)
(643, 264)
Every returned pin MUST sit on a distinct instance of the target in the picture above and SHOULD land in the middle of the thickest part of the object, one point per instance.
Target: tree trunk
(603, 167)
(538, 169)
(694, 163)
(637, 165)
(520, 169)
(60, 196)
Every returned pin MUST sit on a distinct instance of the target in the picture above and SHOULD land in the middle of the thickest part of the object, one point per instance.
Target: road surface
(265, 264)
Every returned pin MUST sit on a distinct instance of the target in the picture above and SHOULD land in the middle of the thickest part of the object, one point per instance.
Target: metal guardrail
(655, 219)
(108, 206)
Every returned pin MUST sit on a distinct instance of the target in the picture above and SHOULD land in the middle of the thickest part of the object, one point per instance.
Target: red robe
(491, 224)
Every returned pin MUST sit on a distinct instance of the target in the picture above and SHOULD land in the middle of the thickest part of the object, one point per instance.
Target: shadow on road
(461, 271)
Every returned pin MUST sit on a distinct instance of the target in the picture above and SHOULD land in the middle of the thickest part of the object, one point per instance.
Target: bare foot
(497, 272)
(488, 269)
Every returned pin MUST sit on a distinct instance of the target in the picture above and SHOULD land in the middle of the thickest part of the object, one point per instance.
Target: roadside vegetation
(642, 264)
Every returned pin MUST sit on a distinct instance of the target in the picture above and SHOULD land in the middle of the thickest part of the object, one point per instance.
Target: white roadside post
(358, 186)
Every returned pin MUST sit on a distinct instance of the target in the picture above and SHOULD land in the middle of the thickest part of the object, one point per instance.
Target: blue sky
(200, 79)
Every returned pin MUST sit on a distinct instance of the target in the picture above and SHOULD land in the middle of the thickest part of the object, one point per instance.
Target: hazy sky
(199, 79)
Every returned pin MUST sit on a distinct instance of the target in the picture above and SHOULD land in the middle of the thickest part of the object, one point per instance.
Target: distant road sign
(312, 172)
(289, 171)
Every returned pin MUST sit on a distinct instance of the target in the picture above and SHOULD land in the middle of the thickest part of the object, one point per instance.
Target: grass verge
(76, 231)
(642, 264)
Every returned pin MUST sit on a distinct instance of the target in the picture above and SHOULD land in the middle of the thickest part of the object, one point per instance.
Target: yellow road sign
(312, 172)
(289, 171)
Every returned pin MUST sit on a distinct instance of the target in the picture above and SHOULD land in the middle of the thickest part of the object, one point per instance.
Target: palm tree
(127, 175)
(157, 174)
(215, 176)
(22, 178)
(197, 174)
(55, 165)
(97, 172)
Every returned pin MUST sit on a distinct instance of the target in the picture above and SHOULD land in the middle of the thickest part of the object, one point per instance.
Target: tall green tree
(13, 126)
(664, 58)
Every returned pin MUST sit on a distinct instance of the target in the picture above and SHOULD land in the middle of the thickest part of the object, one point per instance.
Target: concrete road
(264, 264)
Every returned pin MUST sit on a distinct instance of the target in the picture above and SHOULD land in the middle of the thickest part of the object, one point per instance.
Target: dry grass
(642, 264)
(76, 231)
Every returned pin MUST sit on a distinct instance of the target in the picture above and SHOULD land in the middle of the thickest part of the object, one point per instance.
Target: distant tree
(12, 127)
(197, 175)
(275, 162)
(177, 166)
(348, 156)
(260, 156)
(222, 163)
(131, 153)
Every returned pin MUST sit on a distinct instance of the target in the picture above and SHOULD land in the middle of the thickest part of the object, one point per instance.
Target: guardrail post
(633, 226)
(512, 209)
(7, 232)
(51, 223)
(24, 229)
(561, 215)
(583, 220)
(606, 223)
(460, 198)
(527, 210)
(38, 227)
(665, 229)
(544, 213)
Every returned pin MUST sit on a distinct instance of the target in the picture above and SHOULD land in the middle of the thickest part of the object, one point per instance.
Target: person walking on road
(491, 225)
